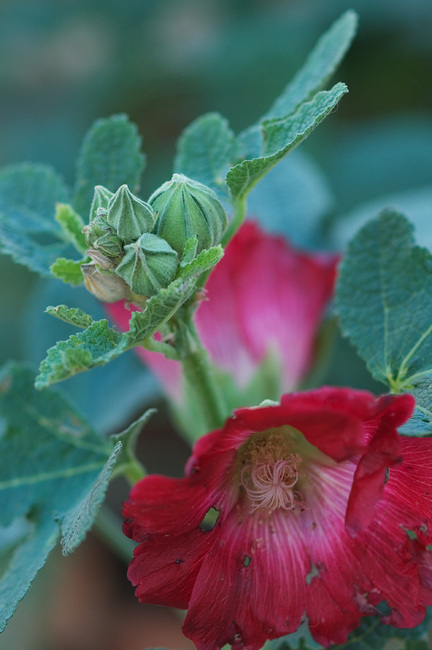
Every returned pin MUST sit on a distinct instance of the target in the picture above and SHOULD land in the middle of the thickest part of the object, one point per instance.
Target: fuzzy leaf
(320, 65)
(72, 225)
(54, 469)
(95, 346)
(99, 344)
(158, 310)
(28, 230)
(71, 315)
(205, 261)
(110, 156)
(205, 151)
(280, 136)
(384, 302)
(128, 438)
(68, 271)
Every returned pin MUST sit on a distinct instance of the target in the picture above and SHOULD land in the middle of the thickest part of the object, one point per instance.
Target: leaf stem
(199, 375)
(237, 220)
(108, 525)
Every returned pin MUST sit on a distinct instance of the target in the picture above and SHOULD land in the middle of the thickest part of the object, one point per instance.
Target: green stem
(109, 526)
(134, 472)
(200, 376)
(237, 220)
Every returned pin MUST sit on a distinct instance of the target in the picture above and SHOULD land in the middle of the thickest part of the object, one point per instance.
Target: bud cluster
(136, 247)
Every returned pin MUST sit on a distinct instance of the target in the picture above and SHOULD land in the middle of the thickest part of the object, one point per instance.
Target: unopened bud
(149, 265)
(101, 198)
(186, 208)
(105, 287)
(129, 215)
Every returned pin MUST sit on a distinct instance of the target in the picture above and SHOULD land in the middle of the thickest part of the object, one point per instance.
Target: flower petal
(265, 295)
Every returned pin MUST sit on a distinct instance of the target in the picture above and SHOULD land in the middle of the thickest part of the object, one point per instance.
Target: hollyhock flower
(263, 296)
(323, 513)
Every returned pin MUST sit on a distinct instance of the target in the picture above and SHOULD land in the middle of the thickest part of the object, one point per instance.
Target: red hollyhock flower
(263, 295)
(315, 499)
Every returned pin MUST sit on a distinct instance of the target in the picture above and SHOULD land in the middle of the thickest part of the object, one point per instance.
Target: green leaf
(54, 469)
(80, 518)
(158, 310)
(128, 439)
(320, 65)
(205, 151)
(28, 230)
(384, 302)
(71, 315)
(68, 271)
(205, 261)
(95, 346)
(72, 225)
(110, 156)
(99, 344)
(280, 136)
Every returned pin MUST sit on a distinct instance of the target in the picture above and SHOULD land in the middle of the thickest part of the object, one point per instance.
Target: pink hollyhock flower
(315, 498)
(263, 296)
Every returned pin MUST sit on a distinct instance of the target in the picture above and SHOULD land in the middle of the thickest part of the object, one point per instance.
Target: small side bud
(101, 198)
(96, 229)
(187, 208)
(149, 265)
(129, 215)
(105, 287)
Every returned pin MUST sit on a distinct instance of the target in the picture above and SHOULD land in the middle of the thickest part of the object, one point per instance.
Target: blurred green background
(64, 63)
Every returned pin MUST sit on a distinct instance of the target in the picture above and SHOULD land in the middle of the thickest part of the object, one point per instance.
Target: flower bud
(149, 265)
(111, 246)
(186, 208)
(100, 201)
(129, 216)
(106, 287)
(96, 229)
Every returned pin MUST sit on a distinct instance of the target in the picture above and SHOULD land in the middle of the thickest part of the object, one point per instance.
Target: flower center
(270, 470)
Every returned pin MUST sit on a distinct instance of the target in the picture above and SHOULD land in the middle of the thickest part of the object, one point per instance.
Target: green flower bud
(100, 201)
(106, 287)
(186, 208)
(96, 229)
(111, 246)
(129, 216)
(149, 265)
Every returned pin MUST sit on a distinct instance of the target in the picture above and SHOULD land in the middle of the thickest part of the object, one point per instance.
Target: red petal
(165, 567)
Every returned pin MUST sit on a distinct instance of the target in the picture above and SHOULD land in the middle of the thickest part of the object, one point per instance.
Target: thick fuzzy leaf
(98, 344)
(54, 471)
(280, 136)
(28, 230)
(205, 151)
(320, 65)
(384, 302)
(71, 315)
(68, 271)
(110, 156)
(205, 261)
(95, 346)
(72, 225)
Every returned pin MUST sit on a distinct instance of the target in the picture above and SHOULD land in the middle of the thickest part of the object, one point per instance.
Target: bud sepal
(148, 265)
(129, 216)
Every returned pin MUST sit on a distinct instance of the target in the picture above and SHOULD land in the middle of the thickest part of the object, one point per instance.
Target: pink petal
(265, 295)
